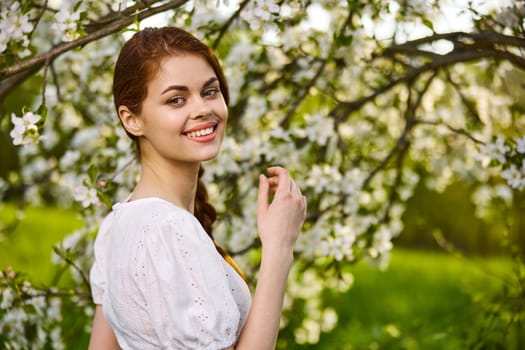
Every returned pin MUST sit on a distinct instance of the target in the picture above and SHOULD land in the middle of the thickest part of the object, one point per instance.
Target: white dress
(162, 283)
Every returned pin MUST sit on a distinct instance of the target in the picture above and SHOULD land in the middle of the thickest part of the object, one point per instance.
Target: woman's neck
(176, 183)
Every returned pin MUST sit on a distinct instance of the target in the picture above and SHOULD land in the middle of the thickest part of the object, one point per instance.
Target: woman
(159, 280)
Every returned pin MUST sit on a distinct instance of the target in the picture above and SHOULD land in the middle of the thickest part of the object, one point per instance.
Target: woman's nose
(200, 108)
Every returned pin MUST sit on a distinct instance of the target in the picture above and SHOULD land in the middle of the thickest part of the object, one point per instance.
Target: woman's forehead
(185, 67)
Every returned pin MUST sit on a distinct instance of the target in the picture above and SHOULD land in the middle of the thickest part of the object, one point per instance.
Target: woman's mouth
(202, 132)
(206, 133)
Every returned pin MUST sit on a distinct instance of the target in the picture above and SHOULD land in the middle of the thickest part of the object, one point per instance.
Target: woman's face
(184, 115)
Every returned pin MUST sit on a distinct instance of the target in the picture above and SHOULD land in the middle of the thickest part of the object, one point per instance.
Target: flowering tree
(359, 99)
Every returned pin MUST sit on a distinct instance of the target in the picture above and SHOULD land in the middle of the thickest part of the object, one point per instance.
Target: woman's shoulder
(151, 208)
(148, 202)
(152, 215)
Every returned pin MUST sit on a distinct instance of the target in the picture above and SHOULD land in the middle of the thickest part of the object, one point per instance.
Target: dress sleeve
(98, 272)
(190, 301)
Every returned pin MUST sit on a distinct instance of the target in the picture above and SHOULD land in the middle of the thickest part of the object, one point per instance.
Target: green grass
(28, 248)
(424, 300)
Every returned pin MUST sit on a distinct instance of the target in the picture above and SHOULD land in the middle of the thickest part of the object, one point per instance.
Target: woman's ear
(132, 123)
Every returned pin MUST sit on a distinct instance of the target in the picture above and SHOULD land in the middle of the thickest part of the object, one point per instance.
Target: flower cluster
(25, 128)
(259, 12)
(67, 24)
(14, 29)
(508, 154)
(86, 196)
(22, 307)
(340, 244)
(510, 16)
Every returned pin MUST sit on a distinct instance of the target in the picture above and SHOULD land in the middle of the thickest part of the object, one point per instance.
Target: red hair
(140, 59)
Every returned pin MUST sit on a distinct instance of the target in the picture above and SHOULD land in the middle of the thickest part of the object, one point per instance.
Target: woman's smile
(203, 132)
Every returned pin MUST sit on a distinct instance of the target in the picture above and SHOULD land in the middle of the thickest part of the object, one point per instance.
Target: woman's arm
(279, 224)
(102, 336)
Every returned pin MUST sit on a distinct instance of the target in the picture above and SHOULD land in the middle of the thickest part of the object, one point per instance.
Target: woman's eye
(211, 92)
(176, 100)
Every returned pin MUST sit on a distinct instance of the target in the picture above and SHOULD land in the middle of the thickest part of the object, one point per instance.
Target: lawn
(28, 248)
(424, 300)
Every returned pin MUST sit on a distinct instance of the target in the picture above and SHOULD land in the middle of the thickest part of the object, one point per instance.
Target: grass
(424, 300)
(29, 246)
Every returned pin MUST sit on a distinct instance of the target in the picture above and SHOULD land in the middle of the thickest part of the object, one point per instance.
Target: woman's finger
(262, 199)
(295, 189)
(282, 178)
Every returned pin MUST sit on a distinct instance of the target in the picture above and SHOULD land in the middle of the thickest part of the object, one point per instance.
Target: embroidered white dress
(162, 283)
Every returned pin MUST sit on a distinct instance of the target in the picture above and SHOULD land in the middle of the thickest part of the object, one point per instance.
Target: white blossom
(7, 298)
(520, 145)
(510, 16)
(339, 245)
(69, 158)
(419, 6)
(257, 107)
(56, 338)
(66, 24)
(515, 178)
(54, 310)
(259, 11)
(20, 25)
(241, 54)
(87, 139)
(87, 196)
(292, 38)
(25, 130)
(309, 242)
(324, 178)
(35, 168)
(280, 134)
(319, 128)
(493, 151)
(13, 24)
(38, 303)
(4, 41)
(381, 243)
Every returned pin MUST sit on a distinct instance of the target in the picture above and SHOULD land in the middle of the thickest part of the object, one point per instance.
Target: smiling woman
(184, 98)
(160, 280)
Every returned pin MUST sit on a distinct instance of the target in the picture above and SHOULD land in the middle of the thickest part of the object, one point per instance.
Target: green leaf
(58, 250)
(42, 111)
(77, 6)
(136, 21)
(104, 199)
(428, 24)
(92, 173)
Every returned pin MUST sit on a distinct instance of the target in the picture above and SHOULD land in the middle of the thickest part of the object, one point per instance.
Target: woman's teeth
(202, 132)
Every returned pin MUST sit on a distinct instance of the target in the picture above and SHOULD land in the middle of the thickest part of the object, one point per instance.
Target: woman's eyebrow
(185, 88)
(210, 81)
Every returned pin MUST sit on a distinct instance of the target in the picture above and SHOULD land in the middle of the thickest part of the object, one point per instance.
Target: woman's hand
(279, 222)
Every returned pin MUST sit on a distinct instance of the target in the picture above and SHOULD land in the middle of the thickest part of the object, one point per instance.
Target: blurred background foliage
(456, 276)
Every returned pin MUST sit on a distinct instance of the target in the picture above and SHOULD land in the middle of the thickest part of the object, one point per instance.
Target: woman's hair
(138, 63)
(140, 58)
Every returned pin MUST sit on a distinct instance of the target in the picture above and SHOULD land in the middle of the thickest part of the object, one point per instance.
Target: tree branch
(344, 109)
(452, 129)
(305, 91)
(481, 39)
(19, 71)
(228, 23)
